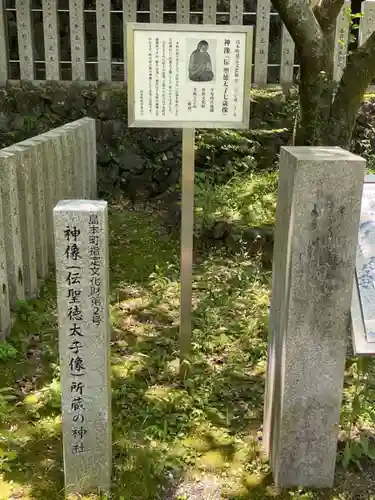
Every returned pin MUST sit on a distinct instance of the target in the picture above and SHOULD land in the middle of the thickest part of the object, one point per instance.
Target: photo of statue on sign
(188, 76)
(200, 64)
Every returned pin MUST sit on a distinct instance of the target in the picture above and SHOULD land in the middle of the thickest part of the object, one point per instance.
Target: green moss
(370, 96)
(160, 427)
(121, 101)
(266, 93)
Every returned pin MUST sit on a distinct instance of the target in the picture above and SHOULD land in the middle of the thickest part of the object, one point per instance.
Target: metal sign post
(188, 76)
(187, 238)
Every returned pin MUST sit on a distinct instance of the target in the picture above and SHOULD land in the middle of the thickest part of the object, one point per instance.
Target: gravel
(207, 488)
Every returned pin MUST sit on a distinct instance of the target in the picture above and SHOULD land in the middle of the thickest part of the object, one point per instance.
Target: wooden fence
(84, 39)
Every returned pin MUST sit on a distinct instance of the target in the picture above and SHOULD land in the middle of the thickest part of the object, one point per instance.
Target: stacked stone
(34, 175)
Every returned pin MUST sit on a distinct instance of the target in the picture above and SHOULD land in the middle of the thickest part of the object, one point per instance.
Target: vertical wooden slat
(341, 41)
(236, 12)
(129, 8)
(209, 11)
(3, 47)
(262, 42)
(130, 11)
(103, 23)
(51, 39)
(25, 39)
(287, 57)
(183, 11)
(367, 21)
(77, 39)
(156, 11)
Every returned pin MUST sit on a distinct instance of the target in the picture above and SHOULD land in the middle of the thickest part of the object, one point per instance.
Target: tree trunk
(323, 123)
(328, 118)
(315, 99)
(316, 91)
(357, 77)
(341, 123)
(325, 120)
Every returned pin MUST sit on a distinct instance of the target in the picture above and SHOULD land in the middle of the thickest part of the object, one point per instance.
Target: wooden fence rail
(84, 39)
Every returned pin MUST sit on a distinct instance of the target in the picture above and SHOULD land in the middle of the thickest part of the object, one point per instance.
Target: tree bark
(325, 120)
(315, 55)
(326, 12)
(357, 77)
(315, 99)
(301, 23)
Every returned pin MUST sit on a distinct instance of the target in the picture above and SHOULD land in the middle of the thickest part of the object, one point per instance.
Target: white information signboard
(365, 262)
(363, 300)
(189, 76)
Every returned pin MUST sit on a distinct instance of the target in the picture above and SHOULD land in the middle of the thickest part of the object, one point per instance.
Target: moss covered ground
(197, 440)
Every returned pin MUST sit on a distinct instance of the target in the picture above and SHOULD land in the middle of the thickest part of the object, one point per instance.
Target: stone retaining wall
(145, 163)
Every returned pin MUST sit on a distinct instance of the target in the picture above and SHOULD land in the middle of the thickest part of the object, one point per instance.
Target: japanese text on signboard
(189, 76)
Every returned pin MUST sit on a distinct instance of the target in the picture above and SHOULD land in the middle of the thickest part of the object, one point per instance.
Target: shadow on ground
(198, 437)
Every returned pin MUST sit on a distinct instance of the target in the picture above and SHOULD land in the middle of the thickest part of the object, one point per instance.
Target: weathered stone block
(66, 150)
(318, 209)
(5, 319)
(52, 181)
(35, 149)
(92, 156)
(12, 226)
(24, 165)
(81, 236)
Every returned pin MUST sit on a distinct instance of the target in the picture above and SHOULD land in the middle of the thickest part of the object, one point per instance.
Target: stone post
(54, 181)
(367, 24)
(92, 162)
(36, 150)
(5, 319)
(67, 164)
(81, 239)
(82, 162)
(317, 217)
(72, 136)
(262, 42)
(341, 41)
(24, 168)
(12, 226)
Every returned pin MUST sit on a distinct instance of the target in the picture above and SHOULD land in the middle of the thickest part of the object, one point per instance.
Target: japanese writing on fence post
(82, 294)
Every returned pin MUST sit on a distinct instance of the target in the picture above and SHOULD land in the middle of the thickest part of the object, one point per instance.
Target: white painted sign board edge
(130, 28)
(361, 346)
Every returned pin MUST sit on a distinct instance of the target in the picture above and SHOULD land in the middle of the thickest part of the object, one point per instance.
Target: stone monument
(317, 217)
(81, 239)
